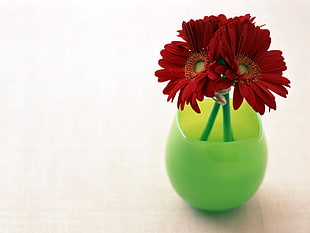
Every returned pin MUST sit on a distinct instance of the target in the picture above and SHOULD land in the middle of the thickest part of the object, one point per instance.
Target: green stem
(210, 122)
(227, 130)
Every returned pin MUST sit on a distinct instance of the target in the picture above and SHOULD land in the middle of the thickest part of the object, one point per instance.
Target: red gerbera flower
(185, 64)
(255, 70)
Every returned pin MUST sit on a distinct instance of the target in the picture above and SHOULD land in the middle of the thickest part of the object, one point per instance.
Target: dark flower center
(248, 69)
(197, 63)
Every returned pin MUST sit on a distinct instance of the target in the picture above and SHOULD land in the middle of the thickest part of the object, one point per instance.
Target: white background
(83, 122)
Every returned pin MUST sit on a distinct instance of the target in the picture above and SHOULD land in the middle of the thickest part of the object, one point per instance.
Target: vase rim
(258, 137)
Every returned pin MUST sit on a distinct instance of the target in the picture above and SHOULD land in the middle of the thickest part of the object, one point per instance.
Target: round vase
(214, 175)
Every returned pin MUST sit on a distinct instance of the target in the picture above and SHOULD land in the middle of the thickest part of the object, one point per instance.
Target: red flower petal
(272, 62)
(278, 89)
(198, 33)
(163, 75)
(177, 48)
(264, 95)
(195, 106)
(194, 86)
(223, 84)
(209, 88)
(253, 99)
(174, 87)
(273, 78)
(237, 98)
(255, 102)
(166, 64)
(244, 89)
(215, 70)
(259, 105)
(213, 75)
(169, 74)
(172, 58)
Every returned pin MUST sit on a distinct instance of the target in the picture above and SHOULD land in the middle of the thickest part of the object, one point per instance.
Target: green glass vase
(214, 175)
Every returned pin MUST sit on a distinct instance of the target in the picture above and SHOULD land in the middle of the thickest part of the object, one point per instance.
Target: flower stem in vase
(227, 130)
(210, 122)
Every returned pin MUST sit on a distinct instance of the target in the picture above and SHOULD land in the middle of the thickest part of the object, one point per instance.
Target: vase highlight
(214, 175)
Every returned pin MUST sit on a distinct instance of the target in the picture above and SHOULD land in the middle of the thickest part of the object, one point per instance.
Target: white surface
(83, 123)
